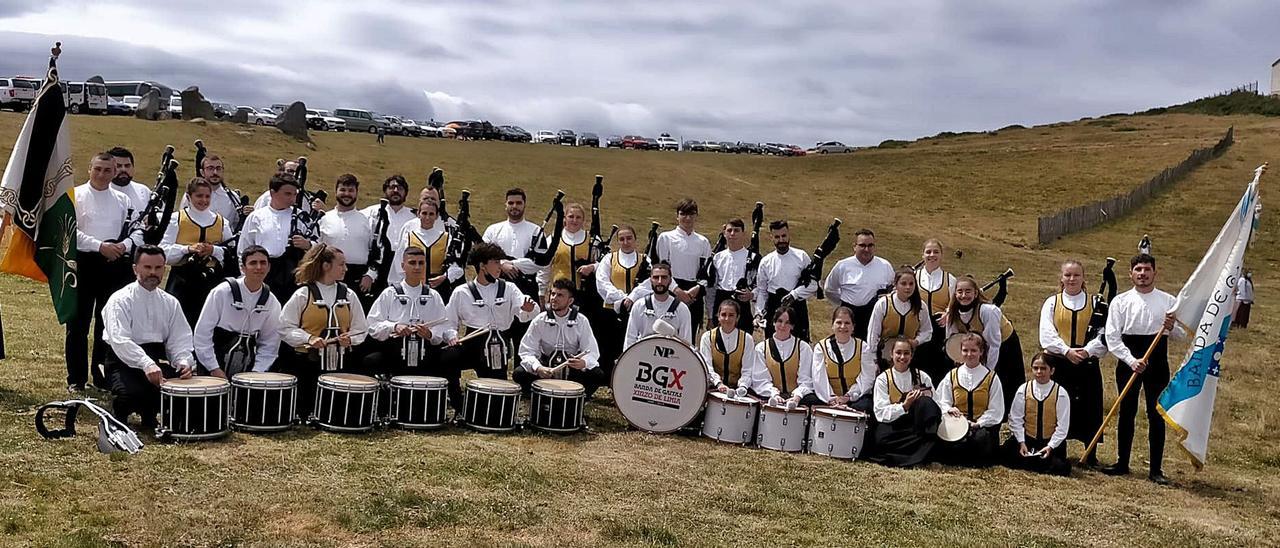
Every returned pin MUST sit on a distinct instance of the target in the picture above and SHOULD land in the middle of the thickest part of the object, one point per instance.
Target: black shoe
(75, 389)
(1116, 470)
(1158, 478)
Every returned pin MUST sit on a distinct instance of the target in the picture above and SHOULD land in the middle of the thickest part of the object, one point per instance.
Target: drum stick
(473, 335)
(335, 339)
(565, 363)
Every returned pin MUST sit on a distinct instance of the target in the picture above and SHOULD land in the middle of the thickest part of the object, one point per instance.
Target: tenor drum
(556, 405)
(194, 409)
(417, 403)
(781, 429)
(837, 433)
(730, 419)
(660, 384)
(263, 402)
(346, 402)
(490, 405)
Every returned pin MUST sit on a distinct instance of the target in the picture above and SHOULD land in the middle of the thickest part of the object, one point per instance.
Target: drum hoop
(202, 387)
(258, 377)
(553, 388)
(782, 410)
(418, 382)
(702, 398)
(839, 415)
(347, 382)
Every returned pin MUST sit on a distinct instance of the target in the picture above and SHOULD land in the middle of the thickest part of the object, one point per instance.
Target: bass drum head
(660, 384)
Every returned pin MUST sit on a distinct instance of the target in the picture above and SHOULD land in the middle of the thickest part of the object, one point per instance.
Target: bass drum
(660, 384)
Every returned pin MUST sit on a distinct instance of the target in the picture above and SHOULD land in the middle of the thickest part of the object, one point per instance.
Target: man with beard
(221, 201)
(395, 189)
(660, 305)
(777, 281)
(271, 227)
(728, 267)
(150, 340)
(856, 281)
(348, 229)
(515, 236)
(138, 193)
(102, 253)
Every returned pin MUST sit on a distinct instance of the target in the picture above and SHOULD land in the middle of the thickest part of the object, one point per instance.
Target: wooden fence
(1078, 218)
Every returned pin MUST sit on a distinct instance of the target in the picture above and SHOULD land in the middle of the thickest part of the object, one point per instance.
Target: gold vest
(1072, 324)
(972, 404)
(898, 324)
(728, 365)
(837, 376)
(1041, 416)
(622, 277)
(785, 373)
(315, 318)
(937, 300)
(190, 232)
(896, 395)
(975, 324)
(436, 251)
(564, 265)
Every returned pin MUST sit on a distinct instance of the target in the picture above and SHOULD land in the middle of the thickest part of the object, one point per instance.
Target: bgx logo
(661, 375)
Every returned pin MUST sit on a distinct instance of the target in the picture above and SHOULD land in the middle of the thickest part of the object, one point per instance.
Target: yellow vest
(564, 265)
(896, 323)
(315, 318)
(975, 325)
(622, 277)
(937, 300)
(436, 251)
(190, 232)
(785, 373)
(896, 395)
(1041, 416)
(728, 365)
(836, 374)
(1072, 324)
(972, 404)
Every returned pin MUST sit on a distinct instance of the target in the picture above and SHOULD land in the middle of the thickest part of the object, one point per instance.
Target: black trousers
(744, 310)
(1152, 382)
(131, 391)
(1083, 382)
(98, 279)
(861, 317)
(799, 320)
(609, 337)
(385, 359)
(280, 278)
(1056, 463)
(355, 272)
(909, 440)
(590, 379)
(191, 285)
(695, 307)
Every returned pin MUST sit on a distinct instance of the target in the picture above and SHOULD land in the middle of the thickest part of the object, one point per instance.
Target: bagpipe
(1101, 303)
(707, 267)
(381, 250)
(435, 180)
(463, 235)
(155, 216)
(1003, 292)
(748, 280)
(813, 271)
(304, 222)
(541, 248)
(597, 245)
(210, 267)
(649, 258)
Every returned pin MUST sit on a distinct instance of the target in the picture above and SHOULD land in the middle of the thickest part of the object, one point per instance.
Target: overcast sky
(795, 71)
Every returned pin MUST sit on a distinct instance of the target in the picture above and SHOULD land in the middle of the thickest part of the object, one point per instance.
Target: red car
(635, 141)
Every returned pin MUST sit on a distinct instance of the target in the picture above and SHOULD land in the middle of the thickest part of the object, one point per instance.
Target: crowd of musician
(287, 283)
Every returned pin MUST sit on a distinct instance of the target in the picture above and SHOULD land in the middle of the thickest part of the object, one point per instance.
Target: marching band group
(286, 285)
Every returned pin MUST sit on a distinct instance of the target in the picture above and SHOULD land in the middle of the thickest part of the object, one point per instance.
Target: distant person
(1244, 301)
(382, 135)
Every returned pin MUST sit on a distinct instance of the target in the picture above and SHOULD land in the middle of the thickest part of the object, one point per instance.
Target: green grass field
(978, 193)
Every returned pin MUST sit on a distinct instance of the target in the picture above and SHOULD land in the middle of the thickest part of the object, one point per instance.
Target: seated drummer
(843, 369)
(239, 326)
(556, 336)
(1039, 419)
(783, 356)
(730, 353)
(407, 323)
(972, 391)
(905, 412)
(320, 322)
(660, 304)
(149, 340)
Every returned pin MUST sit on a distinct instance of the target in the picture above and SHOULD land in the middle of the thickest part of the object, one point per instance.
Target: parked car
(322, 120)
(390, 123)
(223, 110)
(17, 94)
(117, 107)
(694, 146)
(545, 136)
(711, 146)
(261, 117)
(121, 89)
(132, 101)
(359, 119)
(634, 141)
(514, 134)
(651, 144)
(667, 143)
(796, 150)
(589, 140)
(85, 97)
(567, 137)
(175, 107)
(432, 128)
(475, 129)
(614, 141)
(831, 146)
(411, 127)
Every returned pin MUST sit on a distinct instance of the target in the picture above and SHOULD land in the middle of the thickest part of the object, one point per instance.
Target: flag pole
(1116, 406)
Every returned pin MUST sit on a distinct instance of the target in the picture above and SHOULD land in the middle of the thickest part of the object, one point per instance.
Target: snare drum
(346, 402)
(194, 409)
(556, 405)
(417, 403)
(781, 429)
(490, 405)
(730, 419)
(263, 402)
(837, 432)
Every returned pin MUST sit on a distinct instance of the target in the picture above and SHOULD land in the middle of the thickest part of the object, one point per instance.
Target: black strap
(237, 298)
(835, 349)
(69, 428)
(782, 366)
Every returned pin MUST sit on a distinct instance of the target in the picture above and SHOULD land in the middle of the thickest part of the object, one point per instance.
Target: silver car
(830, 147)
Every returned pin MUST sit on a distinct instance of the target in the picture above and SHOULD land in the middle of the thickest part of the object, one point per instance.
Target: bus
(120, 88)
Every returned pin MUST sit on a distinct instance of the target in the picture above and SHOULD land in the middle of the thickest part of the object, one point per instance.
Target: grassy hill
(979, 193)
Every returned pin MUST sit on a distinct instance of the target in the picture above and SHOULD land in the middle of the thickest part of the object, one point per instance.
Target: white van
(85, 97)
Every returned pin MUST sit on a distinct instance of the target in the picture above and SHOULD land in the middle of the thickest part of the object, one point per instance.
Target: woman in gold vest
(843, 370)
(191, 245)
(1073, 351)
(971, 313)
(905, 412)
(572, 259)
(972, 391)
(728, 351)
(783, 357)
(936, 287)
(901, 313)
(617, 275)
(1039, 419)
(320, 322)
(429, 233)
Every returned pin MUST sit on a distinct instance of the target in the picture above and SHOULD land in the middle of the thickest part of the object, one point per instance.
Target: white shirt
(730, 340)
(852, 282)
(268, 228)
(1051, 341)
(881, 309)
(969, 379)
(566, 238)
(1134, 313)
(642, 319)
(463, 309)
(174, 252)
(610, 294)
(815, 380)
(395, 219)
(1244, 290)
(349, 231)
(414, 307)
(992, 320)
(782, 272)
(100, 214)
(428, 236)
(220, 311)
(762, 380)
(1018, 412)
(138, 195)
(291, 314)
(887, 411)
(684, 251)
(932, 281)
(134, 316)
(220, 202)
(550, 332)
(514, 239)
(730, 266)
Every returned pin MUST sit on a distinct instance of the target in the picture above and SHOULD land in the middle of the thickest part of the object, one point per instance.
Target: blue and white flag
(1204, 309)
